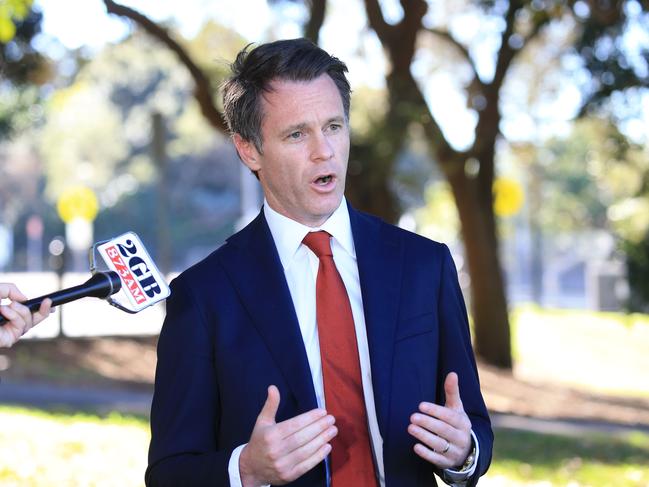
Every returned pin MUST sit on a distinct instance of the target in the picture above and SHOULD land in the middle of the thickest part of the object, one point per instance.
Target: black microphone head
(103, 284)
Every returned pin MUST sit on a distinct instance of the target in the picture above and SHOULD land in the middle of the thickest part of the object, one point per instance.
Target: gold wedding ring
(448, 446)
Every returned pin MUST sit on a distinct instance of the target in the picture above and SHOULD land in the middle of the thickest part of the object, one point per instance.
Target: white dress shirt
(300, 266)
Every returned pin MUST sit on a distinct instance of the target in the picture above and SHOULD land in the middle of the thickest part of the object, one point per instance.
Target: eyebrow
(336, 119)
(293, 128)
(302, 126)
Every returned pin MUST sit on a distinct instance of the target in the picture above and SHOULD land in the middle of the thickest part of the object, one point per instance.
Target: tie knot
(318, 242)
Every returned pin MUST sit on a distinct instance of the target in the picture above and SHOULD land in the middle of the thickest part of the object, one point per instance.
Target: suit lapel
(257, 273)
(379, 257)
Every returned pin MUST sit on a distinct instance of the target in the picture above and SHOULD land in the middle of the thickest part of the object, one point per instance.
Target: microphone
(131, 276)
(100, 285)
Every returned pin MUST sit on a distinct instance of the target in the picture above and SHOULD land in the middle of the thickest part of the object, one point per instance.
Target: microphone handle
(100, 285)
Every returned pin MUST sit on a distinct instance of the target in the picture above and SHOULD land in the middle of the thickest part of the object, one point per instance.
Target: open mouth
(323, 180)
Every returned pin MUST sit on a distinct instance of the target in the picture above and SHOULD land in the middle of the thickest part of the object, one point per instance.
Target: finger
(22, 316)
(456, 419)
(9, 334)
(309, 433)
(9, 313)
(290, 426)
(452, 391)
(312, 447)
(313, 460)
(437, 427)
(25, 315)
(9, 290)
(13, 330)
(428, 439)
(430, 456)
(269, 411)
(43, 312)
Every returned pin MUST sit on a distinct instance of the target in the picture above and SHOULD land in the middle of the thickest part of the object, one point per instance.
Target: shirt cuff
(233, 467)
(458, 478)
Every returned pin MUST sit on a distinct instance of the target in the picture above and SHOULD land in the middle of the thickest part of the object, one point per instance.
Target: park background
(514, 131)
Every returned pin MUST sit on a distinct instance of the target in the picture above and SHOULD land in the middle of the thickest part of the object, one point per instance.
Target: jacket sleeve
(456, 355)
(185, 408)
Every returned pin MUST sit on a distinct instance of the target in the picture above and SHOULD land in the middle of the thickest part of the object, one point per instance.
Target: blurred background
(514, 131)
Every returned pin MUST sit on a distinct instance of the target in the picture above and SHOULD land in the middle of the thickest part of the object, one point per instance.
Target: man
(20, 319)
(318, 346)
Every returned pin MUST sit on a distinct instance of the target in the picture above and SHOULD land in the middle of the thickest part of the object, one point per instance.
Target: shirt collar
(288, 234)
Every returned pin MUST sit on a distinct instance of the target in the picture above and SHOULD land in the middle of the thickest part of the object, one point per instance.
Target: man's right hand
(278, 453)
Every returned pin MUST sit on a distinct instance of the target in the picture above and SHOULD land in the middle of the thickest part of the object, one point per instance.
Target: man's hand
(278, 453)
(444, 432)
(19, 316)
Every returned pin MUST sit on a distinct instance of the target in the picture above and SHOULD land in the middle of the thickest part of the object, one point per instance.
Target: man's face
(305, 149)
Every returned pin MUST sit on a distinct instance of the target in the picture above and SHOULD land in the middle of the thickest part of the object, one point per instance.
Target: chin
(329, 206)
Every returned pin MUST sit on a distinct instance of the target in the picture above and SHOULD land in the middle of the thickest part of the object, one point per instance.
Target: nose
(321, 149)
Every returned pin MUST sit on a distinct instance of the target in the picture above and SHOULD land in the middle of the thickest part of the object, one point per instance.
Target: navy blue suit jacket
(231, 331)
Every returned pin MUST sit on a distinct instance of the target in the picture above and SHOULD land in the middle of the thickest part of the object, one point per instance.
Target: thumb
(271, 405)
(452, 391)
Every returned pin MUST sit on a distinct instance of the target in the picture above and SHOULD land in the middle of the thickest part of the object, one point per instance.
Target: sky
(85, 23)
(90, 28)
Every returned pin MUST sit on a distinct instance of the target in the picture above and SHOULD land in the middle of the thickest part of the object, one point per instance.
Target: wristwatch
(468, 463)
(462, 474)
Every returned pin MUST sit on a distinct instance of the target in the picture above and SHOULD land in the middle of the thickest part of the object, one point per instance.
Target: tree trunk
(488, 300)
(316, 19)
(159, 157)
(372, 164)
(368, 187)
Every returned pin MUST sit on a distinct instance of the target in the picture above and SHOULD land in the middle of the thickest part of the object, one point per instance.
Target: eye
(335, 127)
(295, 135)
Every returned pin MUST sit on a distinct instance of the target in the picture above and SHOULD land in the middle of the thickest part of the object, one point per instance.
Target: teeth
(324, 179)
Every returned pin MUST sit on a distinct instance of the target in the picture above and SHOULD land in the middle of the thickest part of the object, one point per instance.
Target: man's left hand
(444, 432)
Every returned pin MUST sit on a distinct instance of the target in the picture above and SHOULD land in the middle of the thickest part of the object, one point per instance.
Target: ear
(247, 152)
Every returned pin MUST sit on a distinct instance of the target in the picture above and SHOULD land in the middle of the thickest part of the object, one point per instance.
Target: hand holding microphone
(17, 317)
(131, 271)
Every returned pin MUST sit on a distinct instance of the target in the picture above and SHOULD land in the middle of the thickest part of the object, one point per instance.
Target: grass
(580, 315)
(41, 449)
(525, 458)
(540, 314)
(600, 352)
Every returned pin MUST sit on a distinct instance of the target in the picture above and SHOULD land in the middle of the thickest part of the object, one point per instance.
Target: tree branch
(399, 42)
(413, 12)
(506, 53)
(312, 29)
(446, 35)
(203, 88)
(377, 22)
(437, 140)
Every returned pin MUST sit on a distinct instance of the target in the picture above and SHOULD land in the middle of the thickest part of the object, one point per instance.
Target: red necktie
(351, 454)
